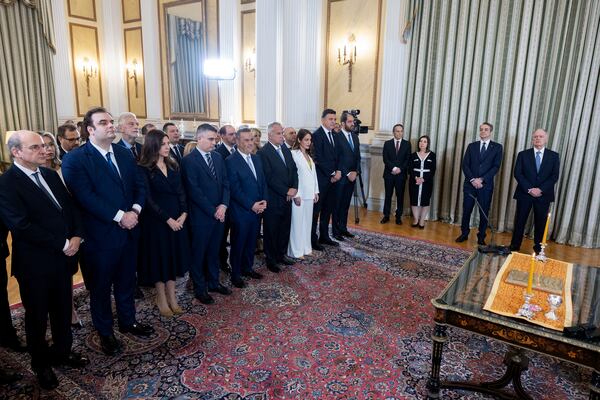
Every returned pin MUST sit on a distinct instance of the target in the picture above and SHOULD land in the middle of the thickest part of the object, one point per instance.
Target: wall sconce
(133, 71)
(250, 63)
(90, 70)
(349, 58)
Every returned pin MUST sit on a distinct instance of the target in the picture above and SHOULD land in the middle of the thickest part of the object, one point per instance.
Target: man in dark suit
(129, 128)
(46, 230)
(282, 180)
(8, 334)
(325, 156)
(207, 188)
(536, 172)
(174, 136)
(248, 189)
(68, 139)
(225, 149)
(290, 135)
(110, 192)
(396, 153)
(349, 165)
(480, 164)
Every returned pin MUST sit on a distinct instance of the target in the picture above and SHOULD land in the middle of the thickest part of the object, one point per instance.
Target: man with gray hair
(129, 128)
(281, 174)
(46, 231)
(207, 187)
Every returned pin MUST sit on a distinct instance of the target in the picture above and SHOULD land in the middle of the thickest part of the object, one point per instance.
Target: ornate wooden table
(461, 305)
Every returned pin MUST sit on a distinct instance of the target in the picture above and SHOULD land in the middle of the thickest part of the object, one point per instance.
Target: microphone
(491, 248)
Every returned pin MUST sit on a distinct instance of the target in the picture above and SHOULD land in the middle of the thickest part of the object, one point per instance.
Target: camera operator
(349, 165)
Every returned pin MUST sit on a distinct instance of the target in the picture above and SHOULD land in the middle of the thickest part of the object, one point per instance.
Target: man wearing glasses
(68, 138)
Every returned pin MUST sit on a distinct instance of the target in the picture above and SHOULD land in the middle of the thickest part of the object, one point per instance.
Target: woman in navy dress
(421, 166)
(164, 245)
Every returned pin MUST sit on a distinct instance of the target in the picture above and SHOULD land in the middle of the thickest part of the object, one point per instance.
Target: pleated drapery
(521, 65)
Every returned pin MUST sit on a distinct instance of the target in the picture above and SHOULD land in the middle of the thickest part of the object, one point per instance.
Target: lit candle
(354, 53)
(530, 279)
(546, 229)
(344, 52)
(339, 57)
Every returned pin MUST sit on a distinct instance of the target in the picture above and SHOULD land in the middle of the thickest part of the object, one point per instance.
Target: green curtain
(521, 65)
(27, 98)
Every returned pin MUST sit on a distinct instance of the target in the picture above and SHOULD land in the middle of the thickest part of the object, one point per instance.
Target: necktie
(397, 146)
(281, 154)
(330, 139)
(538, 160)
(112, 166)
(177, 152)
(211, 166)
(350, 141)
(233, 149)
(249, 161)
(46, 192)
(483, 149)
(134, 151)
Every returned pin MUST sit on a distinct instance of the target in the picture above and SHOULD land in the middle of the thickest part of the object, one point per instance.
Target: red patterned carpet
(349, 323)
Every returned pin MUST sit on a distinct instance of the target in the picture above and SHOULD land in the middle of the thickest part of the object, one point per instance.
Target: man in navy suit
(110, 191)
(248, 189)
(225, 149)
(480, 164)
(395, 154)
(46, 230)
(281, 174)
(68, 139)
(328, 175)
(129, 128)
(207, 188)
(536, 172)
(349, 164)
(174, 136)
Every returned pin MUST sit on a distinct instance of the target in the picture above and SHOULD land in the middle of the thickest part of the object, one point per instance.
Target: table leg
(438, 337)
(595, 386)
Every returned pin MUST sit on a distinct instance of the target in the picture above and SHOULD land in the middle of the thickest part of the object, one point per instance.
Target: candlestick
(339, 57)
(530, 278)
(344, 52)
(546, 229)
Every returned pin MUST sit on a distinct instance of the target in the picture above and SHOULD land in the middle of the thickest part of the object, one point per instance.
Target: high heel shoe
(165, 312)
(421, 226)
(415, 225)
(176, 309)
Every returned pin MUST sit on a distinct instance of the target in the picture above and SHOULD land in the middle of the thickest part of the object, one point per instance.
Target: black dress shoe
(415, 225)
(461, 238)
(317, 246)
(347, 234)
(339, 237)
(384, 220)
(46, 378)
(137, 329)
(138, 295)
(514, 248)
(110, 345)
(273, 268)
(205, 298)
(252, 274)
(238, 283)
(398, 221)
(329, 242)
(8, 376)
(421, 226)
(15, 344)
(73, 360)
(481, 242)
(225, 267)
(288, 260)
(221, 290)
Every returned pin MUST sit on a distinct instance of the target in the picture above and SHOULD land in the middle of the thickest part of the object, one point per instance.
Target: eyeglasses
(38, 147)
(75, 139)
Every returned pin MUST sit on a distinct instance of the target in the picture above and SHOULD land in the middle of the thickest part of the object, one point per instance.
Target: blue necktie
(538, 160)
(350, 141)
(112, 165)
(211, 166)
(483, 149)
(249, 161)
(281, 154)
(46, 192)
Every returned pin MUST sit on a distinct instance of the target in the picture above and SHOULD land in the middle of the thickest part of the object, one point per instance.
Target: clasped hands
(336, 177)
(419, 180)
(535, 192)
(259, 207)
(477, 183)
(220, 213)
(177, 224)
(129, 220)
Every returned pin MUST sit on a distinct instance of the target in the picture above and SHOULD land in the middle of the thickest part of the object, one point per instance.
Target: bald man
(536, 172)
(290, 135)
(46, 230)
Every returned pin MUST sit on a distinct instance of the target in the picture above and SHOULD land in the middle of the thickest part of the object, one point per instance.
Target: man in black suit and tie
(396, 152)
(536, 172)
(349, 165)
(46, 230)
(282, 180)
(68, 139)
(129, 128)
(480, 164)
(225, 149)
(174, 136)
(207, 188)
(328, 174)
(290, 134)
(110, 191)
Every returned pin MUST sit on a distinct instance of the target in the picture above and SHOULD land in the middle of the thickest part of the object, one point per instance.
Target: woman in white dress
(308, 194)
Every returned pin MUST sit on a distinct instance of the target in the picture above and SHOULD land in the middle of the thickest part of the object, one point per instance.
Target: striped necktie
(211, 166)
